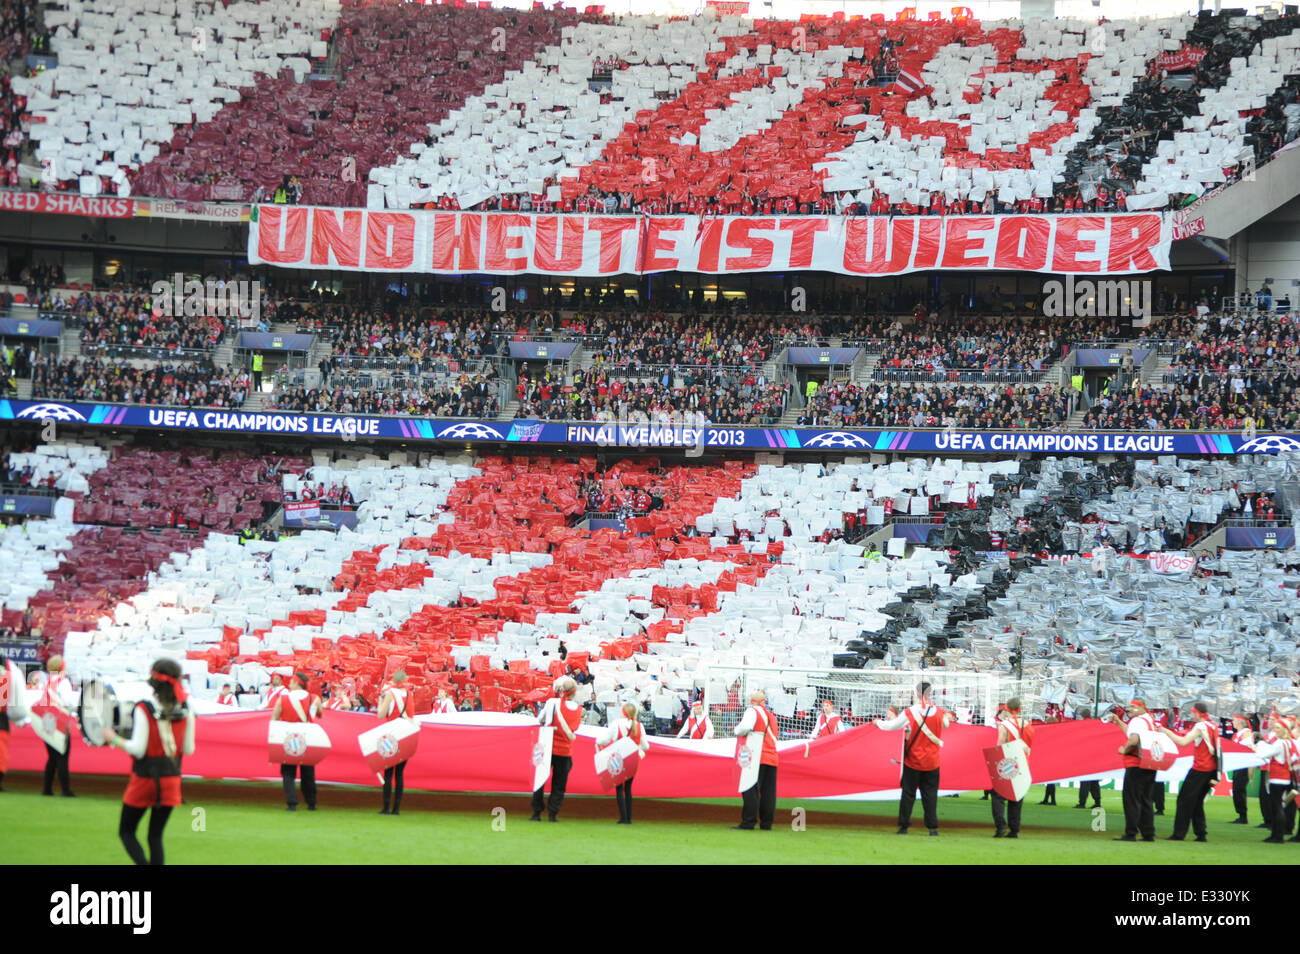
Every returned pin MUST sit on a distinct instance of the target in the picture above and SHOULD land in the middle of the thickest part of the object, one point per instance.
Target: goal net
(795, 696)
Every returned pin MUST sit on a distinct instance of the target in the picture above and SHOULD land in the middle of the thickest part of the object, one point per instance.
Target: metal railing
(145, 352)
(956, 376)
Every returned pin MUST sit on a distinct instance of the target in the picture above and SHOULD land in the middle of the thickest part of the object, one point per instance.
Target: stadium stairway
(508, 412)
(1154, 375)
(223, 355)
(24, 389)
(69, 344)
(256, 401)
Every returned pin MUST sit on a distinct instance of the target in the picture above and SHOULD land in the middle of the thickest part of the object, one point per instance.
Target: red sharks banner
(503, 243)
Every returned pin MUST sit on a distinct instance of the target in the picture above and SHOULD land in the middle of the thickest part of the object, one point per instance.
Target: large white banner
(502, 243)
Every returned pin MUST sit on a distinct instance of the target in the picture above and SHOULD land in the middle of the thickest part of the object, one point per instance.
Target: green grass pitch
(236, 823)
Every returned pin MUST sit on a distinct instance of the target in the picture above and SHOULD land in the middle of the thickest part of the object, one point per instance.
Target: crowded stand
(188, 384)
(722, 396)
(978, 349)
(1192, 401)
(465, 397)
(882, 404)
(1258, 344)
(701, 115)
(491, 576)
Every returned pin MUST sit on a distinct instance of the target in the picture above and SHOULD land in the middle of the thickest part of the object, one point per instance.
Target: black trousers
(758, 802)
(394, 777)
(288, 773)
(1049, 794)
(928, 783)
(1191, 803)
(56, 761)
(128, 824)
(1265, 801)
(1158, 796)
(1240, 795)
(623, 793)
(1283, 818)
(1091, 787)
(1006, 813)
(561, 765)
(1139, 812)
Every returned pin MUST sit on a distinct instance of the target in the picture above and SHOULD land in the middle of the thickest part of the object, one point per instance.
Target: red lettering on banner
(457, 237)
(500, 242)
(570, 233)
(801, 242)
(269, 247)
(353, 239)
(760, 249)
(611, 241)
(958, 242)
(653, 243)
(710, 242)
(928, 240)
(1065, 257)
(896, 234)
(329, 236)
(390, 240)
(1132, 237)
(1022, 242)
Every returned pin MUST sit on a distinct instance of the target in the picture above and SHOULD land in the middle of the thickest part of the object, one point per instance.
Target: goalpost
(795, 696)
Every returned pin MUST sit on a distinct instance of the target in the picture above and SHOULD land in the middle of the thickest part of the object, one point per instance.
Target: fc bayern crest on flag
(617, 763)
(296, 743)
(1008, 768)
(1157, 752)
(389, 743)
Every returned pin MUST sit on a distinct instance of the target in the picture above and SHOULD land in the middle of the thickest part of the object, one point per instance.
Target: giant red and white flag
(389, 743)
(297, 743)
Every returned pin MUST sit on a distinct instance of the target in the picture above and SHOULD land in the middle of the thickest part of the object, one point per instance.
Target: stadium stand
(918, 405)
(493, 571)
(190, 384)
(722, 396)
(454, 107)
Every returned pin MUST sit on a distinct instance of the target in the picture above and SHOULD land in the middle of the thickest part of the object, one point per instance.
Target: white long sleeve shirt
(750, 722)
(1273, 750)
(619, 728)
(900, 721)
(138, 744)
(687, 726)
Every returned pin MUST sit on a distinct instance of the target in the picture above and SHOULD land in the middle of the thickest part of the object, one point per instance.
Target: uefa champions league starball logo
(836, 439)
(1272, 444)
(295, 744)
(471, 430)
(387, 746)
(52, 412)
(1006, 769)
